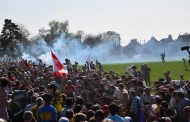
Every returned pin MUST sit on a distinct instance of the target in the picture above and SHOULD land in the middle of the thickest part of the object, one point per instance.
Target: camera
(185, 48)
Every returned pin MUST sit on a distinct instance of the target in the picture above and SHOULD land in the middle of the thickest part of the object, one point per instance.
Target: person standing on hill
(145, 70)
(163, 57)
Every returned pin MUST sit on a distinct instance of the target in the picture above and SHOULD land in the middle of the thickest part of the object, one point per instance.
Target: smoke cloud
(72, 48)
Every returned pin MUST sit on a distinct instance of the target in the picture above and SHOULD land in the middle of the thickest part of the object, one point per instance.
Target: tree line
(13, 35)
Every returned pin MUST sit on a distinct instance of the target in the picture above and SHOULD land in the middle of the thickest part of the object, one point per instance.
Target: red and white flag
(58, 68)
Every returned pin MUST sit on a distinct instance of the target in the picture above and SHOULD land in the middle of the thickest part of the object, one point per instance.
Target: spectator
(177, 86)
(33, 102)
(69, 89)
(63, 119)
(39, 103)
(89, 114)
(145, 70)
(56, 97)
(68, 105)
(80, 117)
(181, 103)
(187, 112)
(47, 113)
(113, 113)
(99, 115)
(5, 101)
(28, 117)
(136, 106)
(70, 115)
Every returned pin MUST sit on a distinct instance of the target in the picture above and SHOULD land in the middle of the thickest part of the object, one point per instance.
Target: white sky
(139, 19)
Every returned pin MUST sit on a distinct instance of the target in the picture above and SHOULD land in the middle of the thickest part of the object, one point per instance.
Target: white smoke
(72, 48)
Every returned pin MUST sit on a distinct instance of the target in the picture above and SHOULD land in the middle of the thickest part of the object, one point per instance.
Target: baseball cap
(35, 95)
(53, 83)
(63, 119)
(176, 82)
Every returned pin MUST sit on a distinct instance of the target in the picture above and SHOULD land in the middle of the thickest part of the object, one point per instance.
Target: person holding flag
(26, 64)
(88, 63)
(69, 66)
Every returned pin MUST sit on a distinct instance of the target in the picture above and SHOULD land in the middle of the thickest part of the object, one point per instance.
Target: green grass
(176, 69)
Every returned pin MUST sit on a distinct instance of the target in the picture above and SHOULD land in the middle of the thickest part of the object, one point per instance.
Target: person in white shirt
(116, 93)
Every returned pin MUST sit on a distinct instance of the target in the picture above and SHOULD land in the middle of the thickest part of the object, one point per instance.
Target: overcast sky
(139, 19)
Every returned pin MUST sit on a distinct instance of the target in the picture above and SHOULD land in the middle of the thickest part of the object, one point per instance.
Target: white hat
(63, 119)
(35, 95)
(69, 81)
(53, 83)
(153, 107)
(176, 82)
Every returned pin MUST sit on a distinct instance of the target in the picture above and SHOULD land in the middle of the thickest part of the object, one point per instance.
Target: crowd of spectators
(32, 93)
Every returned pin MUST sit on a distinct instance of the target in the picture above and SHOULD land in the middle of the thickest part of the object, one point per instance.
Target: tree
(113, 39)
(10, 36)
(56, 28)
(92, 40)
(24, 34)
(79, 34)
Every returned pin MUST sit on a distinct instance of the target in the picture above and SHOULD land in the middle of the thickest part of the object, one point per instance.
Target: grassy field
(176, 69)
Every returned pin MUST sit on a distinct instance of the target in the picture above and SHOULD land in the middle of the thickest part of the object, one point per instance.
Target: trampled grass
(176, 69)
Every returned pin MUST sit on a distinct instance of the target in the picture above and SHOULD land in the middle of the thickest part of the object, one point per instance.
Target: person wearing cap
(177, 86)
(63, 119)
(57, 98)
(33, 102)
(47, 113)
(69, 89)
